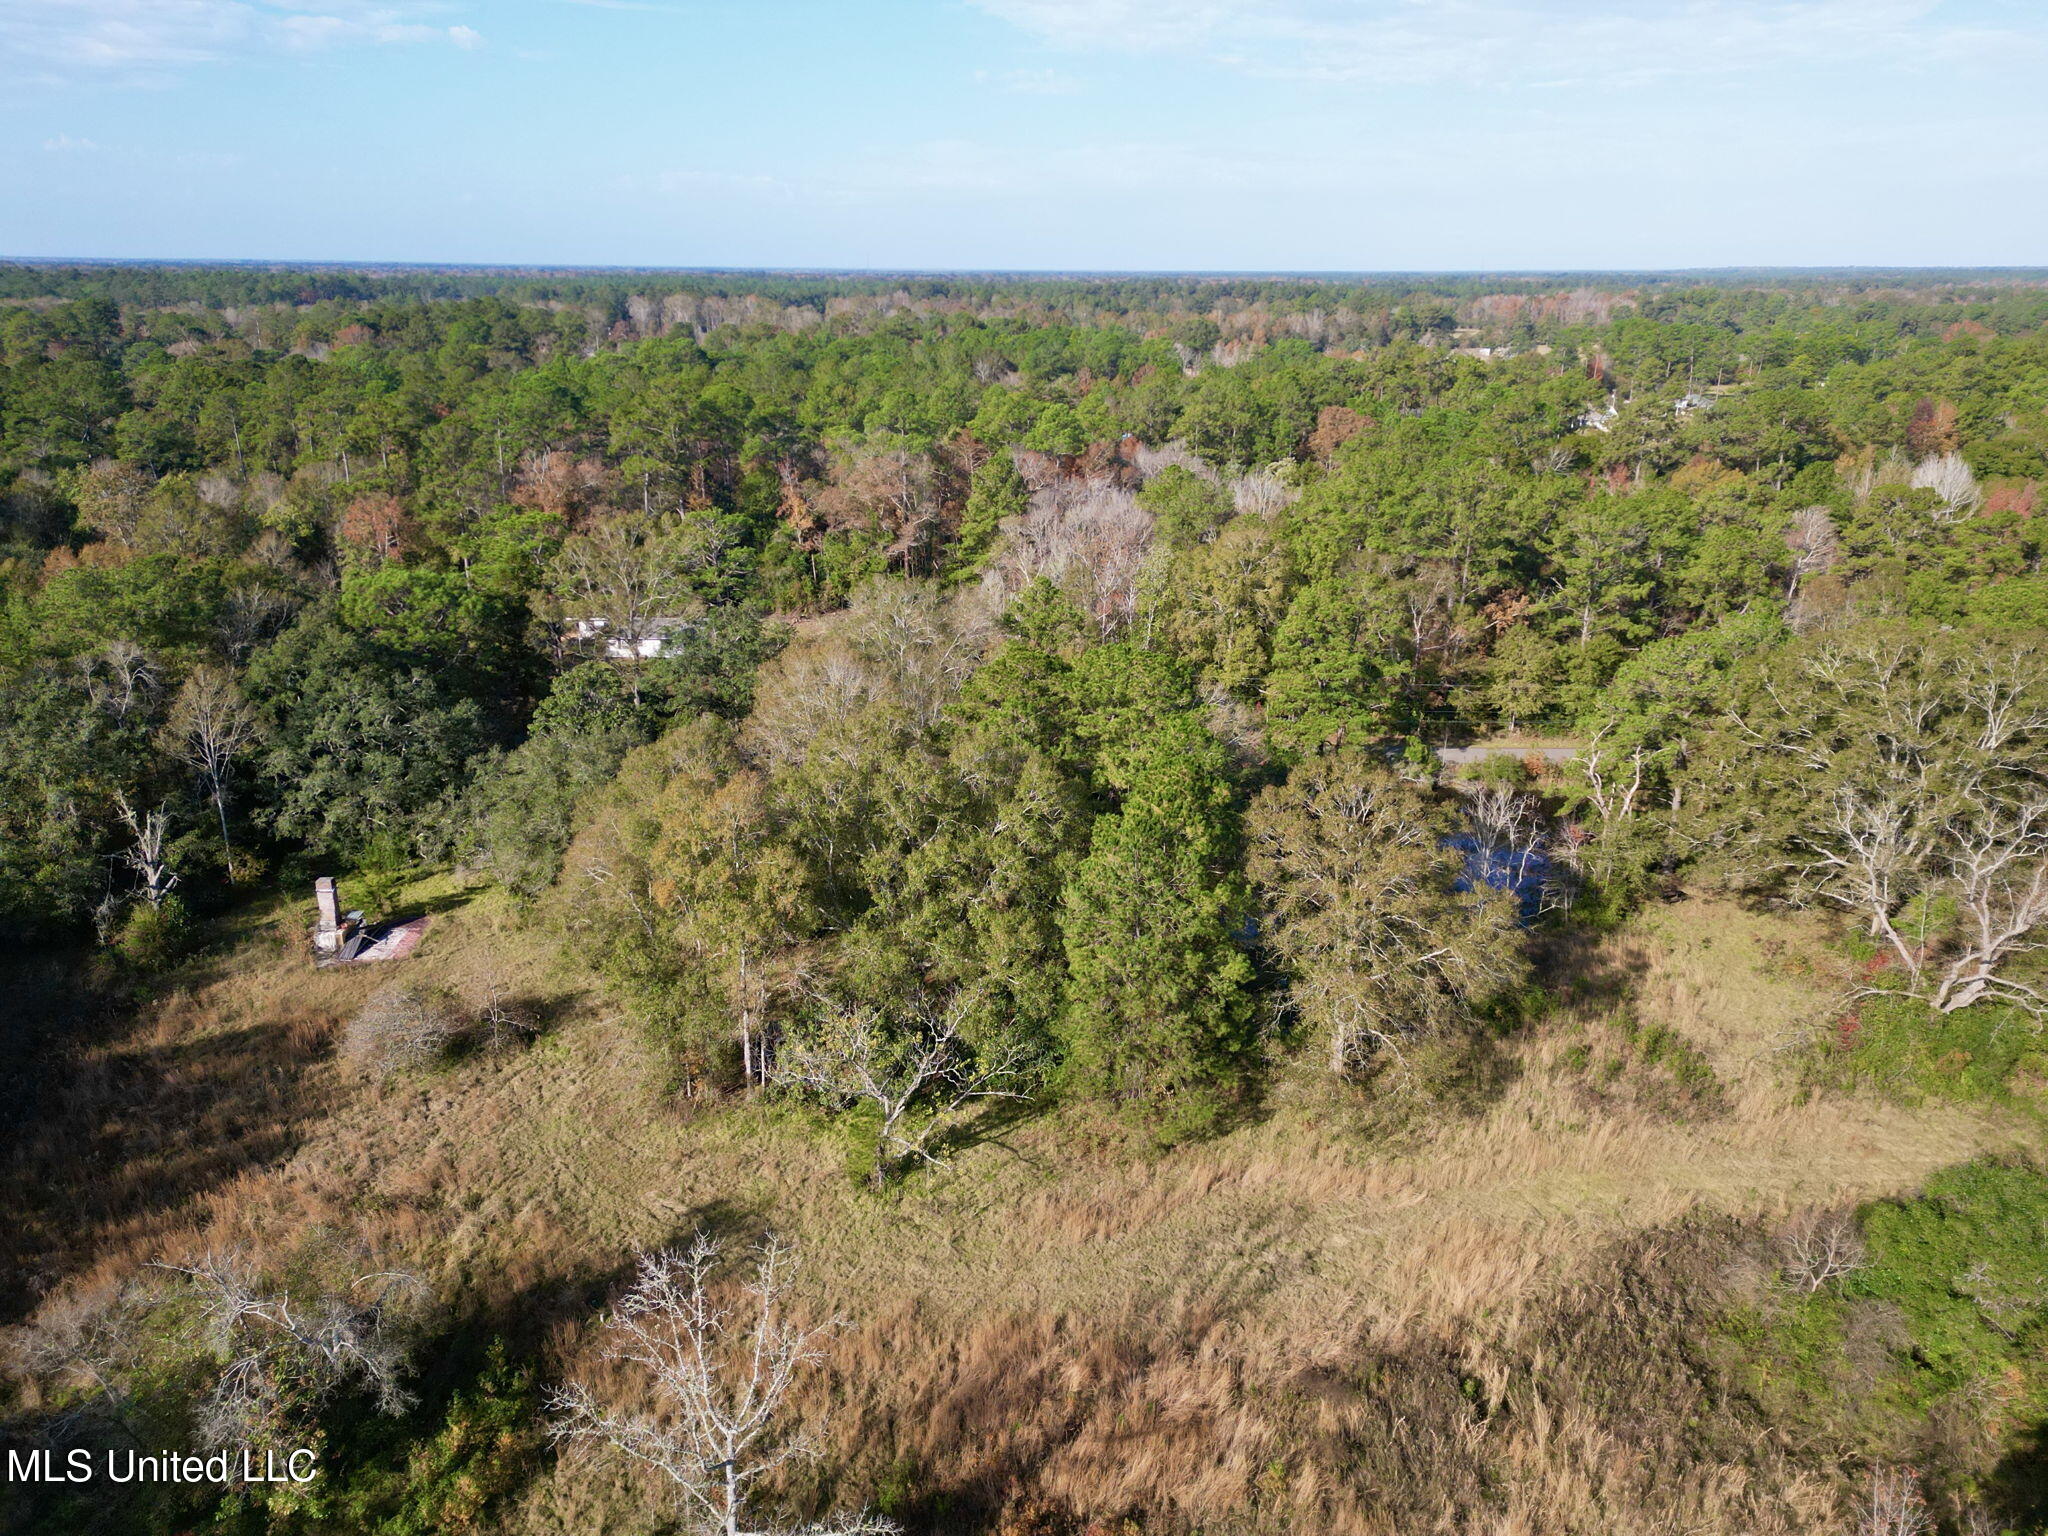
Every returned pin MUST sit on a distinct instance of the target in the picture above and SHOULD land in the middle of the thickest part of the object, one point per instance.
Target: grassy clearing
(1316, 1322)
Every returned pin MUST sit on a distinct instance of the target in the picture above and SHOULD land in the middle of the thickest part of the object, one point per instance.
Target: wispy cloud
(71, 39)
(1525, 42)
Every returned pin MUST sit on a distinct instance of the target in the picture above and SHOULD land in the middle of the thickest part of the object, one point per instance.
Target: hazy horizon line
(370, 264)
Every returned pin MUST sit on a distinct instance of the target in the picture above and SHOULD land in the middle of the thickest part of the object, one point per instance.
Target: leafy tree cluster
(380, 566)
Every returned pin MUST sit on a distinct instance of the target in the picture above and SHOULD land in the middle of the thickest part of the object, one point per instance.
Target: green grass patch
(1651, 1065)
(1937, 1343)
(1899, 1045)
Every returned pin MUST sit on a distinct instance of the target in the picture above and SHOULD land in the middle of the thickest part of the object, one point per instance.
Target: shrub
(402, 1027)
(154, 934)
(381, 873)
(1963, 1264)
(1508, 772)
(504, 1022)
(1898, 1043)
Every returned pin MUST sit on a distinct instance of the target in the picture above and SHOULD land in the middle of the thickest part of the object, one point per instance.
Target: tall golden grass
(1483, 1319)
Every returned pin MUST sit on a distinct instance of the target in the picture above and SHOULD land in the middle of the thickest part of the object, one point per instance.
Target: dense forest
(1128, 712)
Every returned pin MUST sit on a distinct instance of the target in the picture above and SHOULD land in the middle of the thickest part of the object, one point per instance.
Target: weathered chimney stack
(327, 932)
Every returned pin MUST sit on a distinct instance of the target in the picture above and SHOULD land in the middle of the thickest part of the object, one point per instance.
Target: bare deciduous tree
(211, 725)
(1816, 547)
(900, 643)
(1614, 777)
(1893, 1505)
(252, 610)
(1896, 776)
(720, 1376)
(111, 498)
(1512, 847)
(917, 1075)
(629, 571)
(1999, 878)
(279, 1354)
(121, 677)
(401, 1027)
(145, 854)
(1262, 493)
(1819, 1246)
(1948, 476)
(1361, 905)
(503, 1022)
(83, 1342)
(1085, 536)
(884, 487)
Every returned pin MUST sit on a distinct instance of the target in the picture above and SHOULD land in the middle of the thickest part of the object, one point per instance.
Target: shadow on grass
(2018, 1488)
(996, 1120)
(407, 910)
(472, 1438)
(107, 1132)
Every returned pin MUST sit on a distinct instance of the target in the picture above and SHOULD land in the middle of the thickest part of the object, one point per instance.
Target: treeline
(1149, 627)
(961, 700)
(1870, 307)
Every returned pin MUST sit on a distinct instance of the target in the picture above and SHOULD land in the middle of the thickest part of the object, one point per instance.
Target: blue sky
(1074, 134)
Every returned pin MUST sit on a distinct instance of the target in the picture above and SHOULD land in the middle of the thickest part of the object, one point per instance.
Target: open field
(1334, 1317)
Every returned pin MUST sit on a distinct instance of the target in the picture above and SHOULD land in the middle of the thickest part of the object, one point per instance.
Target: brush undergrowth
(1489, 1293)
(1933, 1350)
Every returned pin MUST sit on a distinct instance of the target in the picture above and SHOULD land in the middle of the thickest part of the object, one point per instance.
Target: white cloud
(1522, 42)
(65, 144)
(71, 39)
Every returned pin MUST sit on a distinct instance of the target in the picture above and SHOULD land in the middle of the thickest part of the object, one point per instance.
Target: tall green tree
(1361, 901)
(1159, 1003)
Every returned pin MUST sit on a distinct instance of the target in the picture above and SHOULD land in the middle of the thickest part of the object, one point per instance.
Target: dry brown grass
(1476, 1325)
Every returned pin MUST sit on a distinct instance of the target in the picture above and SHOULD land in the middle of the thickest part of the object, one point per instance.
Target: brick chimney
(327, 932)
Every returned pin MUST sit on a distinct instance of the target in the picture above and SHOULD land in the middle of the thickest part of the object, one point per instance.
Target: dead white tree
(1893, 1505)
(720, 1375)
(278, 1354)
(917, 1075)
(1816, 547)
(400, 1027)
(1819, 1246)
(1949, 477)
(145, 855)
(211, 725)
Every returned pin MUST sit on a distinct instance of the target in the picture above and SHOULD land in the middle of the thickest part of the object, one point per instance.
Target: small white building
(649, 639)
